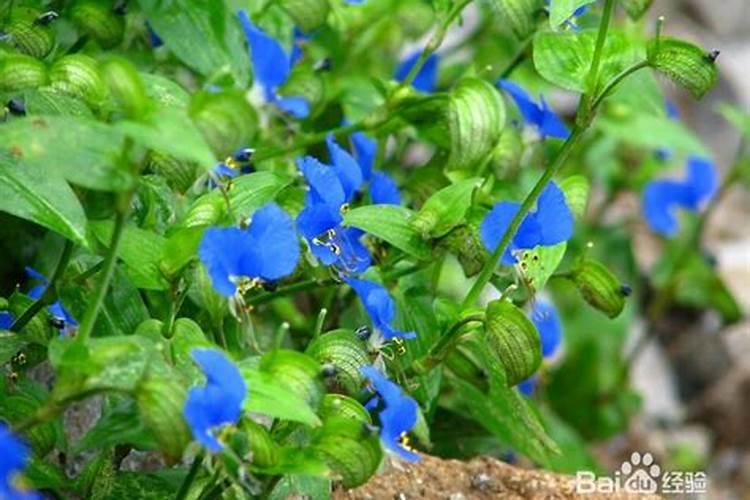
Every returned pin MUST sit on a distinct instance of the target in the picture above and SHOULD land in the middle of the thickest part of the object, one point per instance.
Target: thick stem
(92, 311)
(50, 293)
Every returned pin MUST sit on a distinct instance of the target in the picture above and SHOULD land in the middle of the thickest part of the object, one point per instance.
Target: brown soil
(481, 478)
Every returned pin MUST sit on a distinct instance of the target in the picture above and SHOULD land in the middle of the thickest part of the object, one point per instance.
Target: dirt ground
(479, 479)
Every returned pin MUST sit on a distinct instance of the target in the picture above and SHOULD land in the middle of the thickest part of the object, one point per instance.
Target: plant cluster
(280, 248)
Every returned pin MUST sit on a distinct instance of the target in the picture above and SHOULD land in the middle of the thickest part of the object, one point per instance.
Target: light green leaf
(31, 192)
(653, 132)
(390, 223)
(564, 59)
(170, 131)
(165, 91)
(539, 263)
(141, 250)
(48, 101)
(268, 397)
(204, 35)
(85, 152)
(445, 209)
(561, 10)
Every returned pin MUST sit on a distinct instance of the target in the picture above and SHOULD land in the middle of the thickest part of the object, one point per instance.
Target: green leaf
(576, 189)
(85, 152)
(520, 15)
(739, 119)
(564, 59)
(445, 209)
(539, 263)
(268, 397)
(684, 63)
(165, 91)
(30, 191)
(141, 250)
(204, 35)
(299, 486)
(636, 8)
(307, 14)
(170, 131)
(180, 249)
(390, 223)
(652, 132)
(562, 10)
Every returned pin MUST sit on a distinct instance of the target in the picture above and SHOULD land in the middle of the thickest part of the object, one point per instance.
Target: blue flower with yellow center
(219, 402)
(272, 67)
(663, 197)
(551, 223)
(380, 307)
(538, 115)
(267, 250)
(14, 455)
(65, 320)
(397, 413)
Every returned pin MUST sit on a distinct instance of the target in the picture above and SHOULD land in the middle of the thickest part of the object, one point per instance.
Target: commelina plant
(281, 244)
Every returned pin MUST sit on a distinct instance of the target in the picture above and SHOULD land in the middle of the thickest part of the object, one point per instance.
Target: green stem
(584, 117)
(438, 352)
(311, 139)
(518, 57)
(188, 481)
(92, 311)
(526, 206)
(592, 79)
(616, 80)
(435, 41)
(50, 293)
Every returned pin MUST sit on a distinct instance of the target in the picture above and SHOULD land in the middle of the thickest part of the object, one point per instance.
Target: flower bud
(77, 75)
(125, 86)
(346, 353)
(30, 38)
(684, 63)
(299, 372)
(180, 174)
(225, 119)
(338, 405)
(98, 20)
(600, 288)
(513, 339)
(307, 14)
(19, 72)
(351, 452)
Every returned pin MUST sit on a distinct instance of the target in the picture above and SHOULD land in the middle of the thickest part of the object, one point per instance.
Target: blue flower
(365, 150)
(538, 115)
(14, 455)
(664, 154)
(267, 250)
(235, 164)
(550, 224)
(156, 42)
(57, 310)
(397, 414)
(662, 197)
(426, 79)
(219, 402)
(272, 67)
(526, 387)
(379, 306)
(6, 320)
(383, 190)
(547, 321)
(329, 241)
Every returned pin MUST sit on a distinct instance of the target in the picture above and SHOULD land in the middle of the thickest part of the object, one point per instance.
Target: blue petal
(672, 111)
(221, 251)
(37, 291)
(313, 222)
(354, 258)
(547, 321)
(702, 181)
(276, 247)
(58, 311)
(399, 415)
(660, 201)
(296, 106)
(346, 167)
(14, 456)
(383, 190)
(35, 275)
(224, 170)
(365, 150)
(552, 125)
(494, 225)
(426, 79)
(526, 387)
(379, 306)
(271, 64)
(155, 40)
(219, 402)
(324, 183)
(529, 233)
(355, 2)
(530, 111)
(553, 216)
(6, 320)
